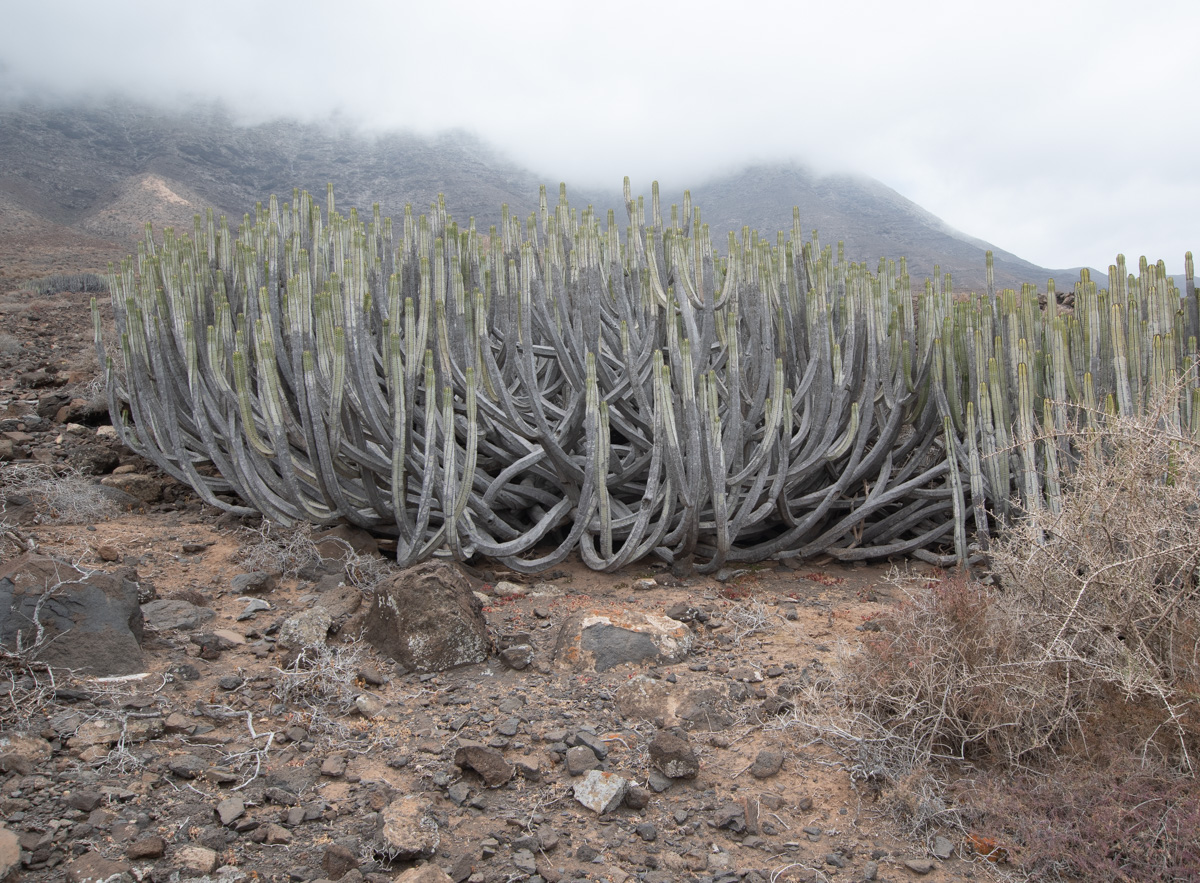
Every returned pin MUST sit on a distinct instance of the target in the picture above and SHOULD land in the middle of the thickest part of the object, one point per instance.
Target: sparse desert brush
(1116, 573)
(64, 494)
(987, 707)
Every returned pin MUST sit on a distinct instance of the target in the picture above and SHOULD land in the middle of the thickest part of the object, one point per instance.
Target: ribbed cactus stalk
(570, 386)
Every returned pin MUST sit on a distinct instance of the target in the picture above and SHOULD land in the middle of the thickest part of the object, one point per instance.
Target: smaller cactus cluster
(561, 384)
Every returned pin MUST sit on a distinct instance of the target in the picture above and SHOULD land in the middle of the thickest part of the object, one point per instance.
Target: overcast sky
(1061, 131)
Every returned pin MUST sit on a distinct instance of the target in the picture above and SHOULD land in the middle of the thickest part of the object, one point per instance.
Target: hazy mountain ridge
(108, 169)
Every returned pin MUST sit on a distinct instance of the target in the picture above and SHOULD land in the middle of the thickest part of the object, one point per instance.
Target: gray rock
(601, 792)
(338, 542)
(517, 657)
(732, 817)
(253, 606)
(592, 741)
(407, 830)
(637, 797)
(10, 851)
(196, 858)
(338, 860)
(89, 623)
(254, 581)
(427, 619)
(667, 704)
(186, 766)
(919, 865)
(144, 488)
(602, 639)
(657, 781)
(488, 762)
(429, 873)
(308, 628)
(342, 602)
(163, 615)
(943, 847)
(768, 762)
(580, 760)
(870, 871)
(647, 832)
(369, 705)
(334, 766)
(673, 756)
(230, 810)
(92, 867)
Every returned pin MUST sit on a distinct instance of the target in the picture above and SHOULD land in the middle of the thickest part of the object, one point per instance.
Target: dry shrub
(956, 673)
(1068, 691)
(1114, 573)
(289, 551)
(1093, 821)
(65, 495)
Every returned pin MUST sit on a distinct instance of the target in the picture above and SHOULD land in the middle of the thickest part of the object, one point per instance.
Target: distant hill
(105, 170)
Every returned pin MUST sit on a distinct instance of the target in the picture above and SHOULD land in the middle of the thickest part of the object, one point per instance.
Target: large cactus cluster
(559, 384)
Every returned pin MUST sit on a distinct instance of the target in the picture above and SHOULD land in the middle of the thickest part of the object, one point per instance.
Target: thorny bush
(1078, 664)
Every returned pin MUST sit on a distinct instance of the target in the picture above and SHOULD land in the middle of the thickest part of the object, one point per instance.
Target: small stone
(506, 589)
(108, 552)
(768, 763)
(178, 723)
(489, 763)
(673, 756)
(84, 800)
(509, 727)
(407, 831)
(230, 810)
(369, 706)
(637, 797)
(647, 832)
(186, 766)
(92, 867)
(657, 781)
(371, 675)
(255, 581)
(644, 585)
(230, 682)
(429, 873)
(580, 760)
(338, 860)
(732, 817)
(197, 858)
(334, 766)
(146, 846)
(273, 834)
(919, 865)
(458, 793)
(517, 657)
(943, 847)
(306, 629)
(253, 606)
(870, 871)
(601, 792)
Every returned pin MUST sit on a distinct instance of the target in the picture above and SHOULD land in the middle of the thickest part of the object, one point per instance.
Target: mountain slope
(106, 170)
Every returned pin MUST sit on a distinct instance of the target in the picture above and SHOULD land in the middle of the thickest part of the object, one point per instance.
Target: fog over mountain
(106, 169)
(1046, 128)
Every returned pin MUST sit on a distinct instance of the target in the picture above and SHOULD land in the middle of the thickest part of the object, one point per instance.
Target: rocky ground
(633, 726)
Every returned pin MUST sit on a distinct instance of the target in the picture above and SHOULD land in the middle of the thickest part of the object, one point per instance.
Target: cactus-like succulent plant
(557, 385)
